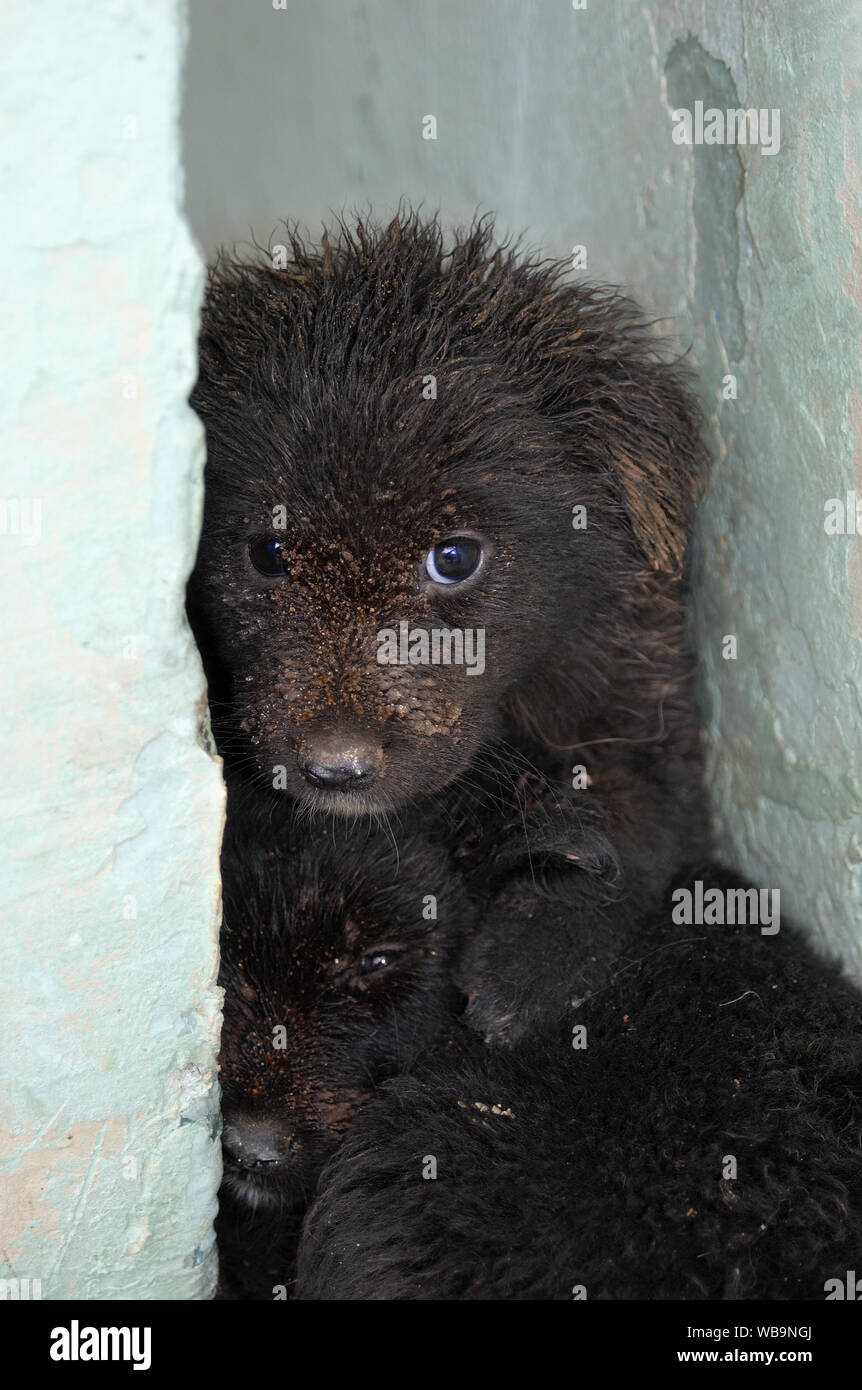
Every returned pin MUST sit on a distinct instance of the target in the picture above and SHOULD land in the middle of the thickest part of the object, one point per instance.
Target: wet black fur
(550, 395)
(296, 927)
(608, 1171)
(604, 1168)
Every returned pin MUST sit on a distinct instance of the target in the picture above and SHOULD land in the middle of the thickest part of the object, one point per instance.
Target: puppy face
(390, 555)
(334, 979)
(392, 549)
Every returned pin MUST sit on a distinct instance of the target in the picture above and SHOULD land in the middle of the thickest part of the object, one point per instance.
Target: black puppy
(337, 959)
(447, 501)
(701, 1138)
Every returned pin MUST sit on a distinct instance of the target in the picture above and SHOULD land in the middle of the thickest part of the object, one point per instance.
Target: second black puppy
(693, 1131)
(337, 968)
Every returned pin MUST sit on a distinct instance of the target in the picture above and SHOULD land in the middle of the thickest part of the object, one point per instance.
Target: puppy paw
(529, 967)
(508, 996)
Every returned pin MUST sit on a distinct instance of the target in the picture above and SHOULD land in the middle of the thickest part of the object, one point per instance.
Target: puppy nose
(255, 1143)
(339, 764)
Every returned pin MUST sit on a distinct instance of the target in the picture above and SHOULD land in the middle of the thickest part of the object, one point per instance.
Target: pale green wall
(111, 811)
(560, 121)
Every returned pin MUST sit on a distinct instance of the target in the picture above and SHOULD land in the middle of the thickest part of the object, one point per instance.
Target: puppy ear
(592, 363)
(629, 409)
(641, 419)
(660, 480)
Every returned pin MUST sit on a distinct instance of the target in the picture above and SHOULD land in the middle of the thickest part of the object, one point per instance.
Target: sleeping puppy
(447, 501)
(692, 1131)
(337, 966)
(340, 954)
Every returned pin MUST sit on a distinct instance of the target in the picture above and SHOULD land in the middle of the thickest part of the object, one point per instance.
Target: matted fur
(309, 1032)
(550, 395)
(605, 1170)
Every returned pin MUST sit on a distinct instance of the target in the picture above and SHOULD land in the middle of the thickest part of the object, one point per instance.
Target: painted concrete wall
(111, 810)
(560, 120)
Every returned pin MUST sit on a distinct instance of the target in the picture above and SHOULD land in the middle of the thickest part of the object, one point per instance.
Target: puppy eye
(267, 555)
(370, 965)
(453, 560)
(356, 974)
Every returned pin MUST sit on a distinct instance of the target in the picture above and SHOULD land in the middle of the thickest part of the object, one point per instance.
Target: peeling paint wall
(560, 120)
(109, 1160)
(754, 258)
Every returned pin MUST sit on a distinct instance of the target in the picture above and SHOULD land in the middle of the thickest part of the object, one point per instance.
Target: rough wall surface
(765, 286)
(560, 120)
(111, 810)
